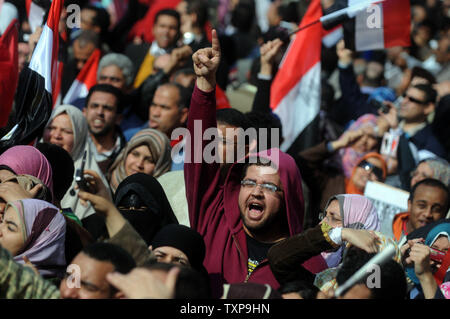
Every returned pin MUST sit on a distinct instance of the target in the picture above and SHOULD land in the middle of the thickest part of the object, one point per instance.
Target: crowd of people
(148, 187)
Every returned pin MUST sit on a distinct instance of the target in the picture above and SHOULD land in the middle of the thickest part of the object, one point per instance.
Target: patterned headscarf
(159, 146)
(349, 156)
(44, 233)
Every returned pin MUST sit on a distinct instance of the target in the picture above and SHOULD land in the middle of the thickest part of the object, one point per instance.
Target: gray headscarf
(81, 143)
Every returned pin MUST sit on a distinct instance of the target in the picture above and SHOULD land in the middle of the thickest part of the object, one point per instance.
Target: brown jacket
(287, 256)
(132, 242)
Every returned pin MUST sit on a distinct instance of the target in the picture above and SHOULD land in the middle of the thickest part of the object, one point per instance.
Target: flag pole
(304, 27)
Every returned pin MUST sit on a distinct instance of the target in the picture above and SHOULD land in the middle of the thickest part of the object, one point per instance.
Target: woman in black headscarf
(142, 201)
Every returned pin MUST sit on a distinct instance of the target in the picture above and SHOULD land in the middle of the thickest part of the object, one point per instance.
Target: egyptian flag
(295, 91)
(372, 25)
(35, 14)
(36, 84)
(84, 80)
(9, 69)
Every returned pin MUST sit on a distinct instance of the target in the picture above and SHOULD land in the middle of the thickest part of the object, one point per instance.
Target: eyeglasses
(414, 99)
(369, 166)
(266, 187)
(332, 221)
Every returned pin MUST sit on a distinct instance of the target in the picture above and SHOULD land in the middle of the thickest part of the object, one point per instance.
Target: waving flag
(372, 25)
(85, 79)
(295, 91)
(36, 84)
(9, 70)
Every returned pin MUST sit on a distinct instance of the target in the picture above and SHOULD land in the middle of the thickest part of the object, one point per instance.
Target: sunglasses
(369, 166)
(414, 99)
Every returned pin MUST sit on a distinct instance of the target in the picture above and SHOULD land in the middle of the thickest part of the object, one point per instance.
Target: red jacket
(213, 208)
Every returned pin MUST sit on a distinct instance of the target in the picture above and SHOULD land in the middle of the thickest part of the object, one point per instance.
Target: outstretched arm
(201, 176)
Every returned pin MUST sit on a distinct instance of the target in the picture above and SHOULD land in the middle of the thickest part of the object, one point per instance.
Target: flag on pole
(9, 69)
(372, 24)
(84, 80)
(295, 91)
(36, 84)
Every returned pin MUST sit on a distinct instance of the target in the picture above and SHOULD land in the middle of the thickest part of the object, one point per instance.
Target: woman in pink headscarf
(35, 229)
(24, 159)
(348, 211)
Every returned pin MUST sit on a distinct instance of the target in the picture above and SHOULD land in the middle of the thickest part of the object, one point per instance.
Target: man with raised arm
(242, 210)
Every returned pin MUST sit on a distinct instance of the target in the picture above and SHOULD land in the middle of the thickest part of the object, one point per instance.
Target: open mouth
(255, 210)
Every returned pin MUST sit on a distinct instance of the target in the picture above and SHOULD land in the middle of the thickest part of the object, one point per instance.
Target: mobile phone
(79, 175)
(437, 255)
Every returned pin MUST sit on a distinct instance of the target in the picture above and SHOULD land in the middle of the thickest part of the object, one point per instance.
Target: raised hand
(141, 283)
(177, 57)
(206, 61)
(347, 138)
(364, 239)
(268, 52)
(344, 55)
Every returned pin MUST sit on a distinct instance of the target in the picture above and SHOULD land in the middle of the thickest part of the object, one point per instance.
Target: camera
(79, 176)
(380, 106)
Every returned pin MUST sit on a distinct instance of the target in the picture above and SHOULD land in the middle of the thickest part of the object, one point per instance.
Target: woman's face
(333, 214)
(11, 234)
(420, 173)
(367, 143)
(443, 244)
(369, 170)
(139, 160)
(60, 132)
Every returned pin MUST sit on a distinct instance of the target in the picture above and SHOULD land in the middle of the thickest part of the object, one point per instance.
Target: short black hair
(392, 282)
(305, 289)
(233, 117)
(191, 284)
(101, 19)
(430, 92)
(168, 12)
(88, 36)
(265, 120)
(423, 73)
(116, 255)
(432, 183)
(185, 94)
(62, 167)
(108, 88)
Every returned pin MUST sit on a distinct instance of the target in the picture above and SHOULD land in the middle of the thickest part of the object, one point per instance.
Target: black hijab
(144, 191)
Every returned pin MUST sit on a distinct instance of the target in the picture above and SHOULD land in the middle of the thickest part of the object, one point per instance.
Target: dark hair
(392, 281)
(184, 100)
(376, 80)
(107, 88)
(432, 183)
(200, 8)
(191, 284)
(304, 289)
(168, 12)
(243, 15)
(116, 255)
(233, 117)
(101, 18)
(423, 73)
(261, 120)
(258, 162)
(430, 93)
(62, 167)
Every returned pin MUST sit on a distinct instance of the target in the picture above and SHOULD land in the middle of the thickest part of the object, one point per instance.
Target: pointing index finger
(215, 41)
